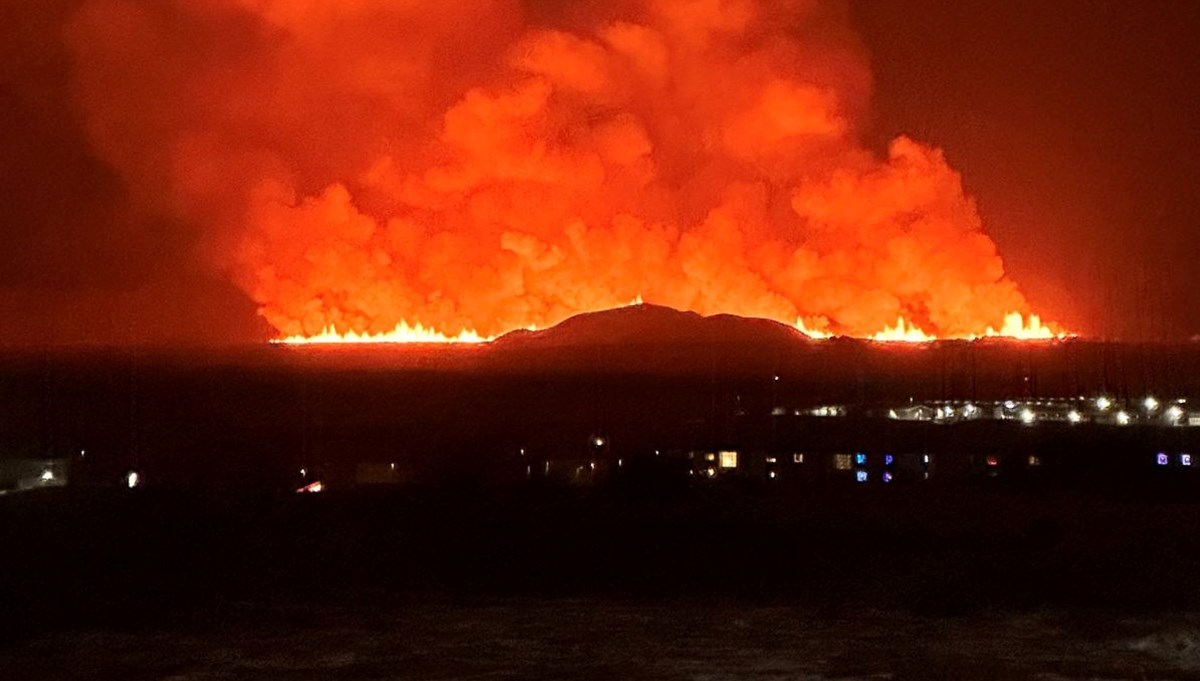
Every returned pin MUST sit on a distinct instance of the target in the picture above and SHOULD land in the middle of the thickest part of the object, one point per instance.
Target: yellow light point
(403, 333)
(903, 332)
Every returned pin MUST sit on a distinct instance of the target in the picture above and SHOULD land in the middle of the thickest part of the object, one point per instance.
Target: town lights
(1103, 403)
(47, 475)
(1122, 418)
(1074, 416)
(1150, 404)
(1174, 413)
(1027, 416)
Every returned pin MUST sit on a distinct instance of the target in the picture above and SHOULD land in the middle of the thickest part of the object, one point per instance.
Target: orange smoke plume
(479, 167)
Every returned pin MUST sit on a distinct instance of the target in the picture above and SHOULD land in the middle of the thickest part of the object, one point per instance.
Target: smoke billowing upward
(493, 165)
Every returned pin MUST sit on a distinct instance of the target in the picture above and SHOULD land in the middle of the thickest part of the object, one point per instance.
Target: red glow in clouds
(480, 167)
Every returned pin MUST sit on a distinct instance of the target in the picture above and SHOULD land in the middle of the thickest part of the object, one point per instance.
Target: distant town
(1062, 440)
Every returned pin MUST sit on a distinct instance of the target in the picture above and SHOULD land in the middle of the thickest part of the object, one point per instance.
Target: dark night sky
(1073, 123)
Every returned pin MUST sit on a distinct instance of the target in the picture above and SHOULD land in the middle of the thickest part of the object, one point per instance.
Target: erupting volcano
(434, 171)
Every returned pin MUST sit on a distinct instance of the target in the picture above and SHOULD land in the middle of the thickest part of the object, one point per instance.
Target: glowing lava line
(1015, 327)
(403, 333)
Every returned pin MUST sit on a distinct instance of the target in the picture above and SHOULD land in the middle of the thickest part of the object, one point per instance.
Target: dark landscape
(443, 497)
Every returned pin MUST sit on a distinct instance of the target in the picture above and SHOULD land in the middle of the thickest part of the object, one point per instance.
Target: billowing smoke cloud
(496, 164)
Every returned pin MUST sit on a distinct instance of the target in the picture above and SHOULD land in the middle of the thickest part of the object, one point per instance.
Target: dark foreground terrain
(437, 551)
(704, 583)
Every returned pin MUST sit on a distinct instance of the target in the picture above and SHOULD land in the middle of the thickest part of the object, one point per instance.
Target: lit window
(993, 461)
(710, 457)
(1034, 461)
(842, 462)
(771, 475)
(1122, 418)
(888, 459)
(860, 459)
(797, 458)
(860, 476)
(771, 459)
(1162, 459)
(887, 477)
(47, 475)
(729, 459)
(925, 459)
(1185, 459)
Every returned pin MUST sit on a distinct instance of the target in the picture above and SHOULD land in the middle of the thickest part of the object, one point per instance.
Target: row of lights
(1028, 416)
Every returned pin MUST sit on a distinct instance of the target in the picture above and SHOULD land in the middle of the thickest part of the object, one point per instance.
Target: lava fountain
(434, 172)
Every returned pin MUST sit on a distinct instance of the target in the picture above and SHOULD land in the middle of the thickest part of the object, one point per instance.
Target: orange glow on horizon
(1015, 327)
(432, 167)
(402, 333)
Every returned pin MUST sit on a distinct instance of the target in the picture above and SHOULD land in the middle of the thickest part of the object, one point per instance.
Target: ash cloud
(493, 165)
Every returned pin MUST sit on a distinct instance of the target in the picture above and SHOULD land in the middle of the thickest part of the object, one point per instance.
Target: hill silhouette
(646, 324)
(649, 337)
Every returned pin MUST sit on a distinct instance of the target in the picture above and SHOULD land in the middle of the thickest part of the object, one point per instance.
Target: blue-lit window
(887, 477)
(860, 476)
(888, 459)
(1185, 459)
(860, 459)
(1162, 459)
